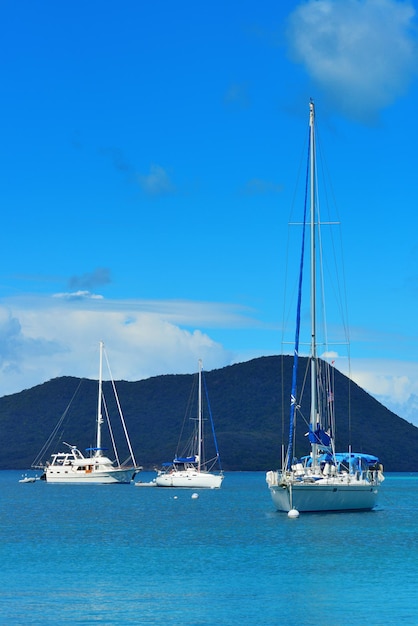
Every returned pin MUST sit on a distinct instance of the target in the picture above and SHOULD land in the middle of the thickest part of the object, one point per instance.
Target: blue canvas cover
(319, 436)
(352, 459)
(187, 459)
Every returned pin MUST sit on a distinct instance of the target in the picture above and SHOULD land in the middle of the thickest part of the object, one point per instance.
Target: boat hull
(313, 497)
(189, 479)
(108, 477)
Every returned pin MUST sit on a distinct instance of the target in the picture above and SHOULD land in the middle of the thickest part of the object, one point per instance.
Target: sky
(149, 154)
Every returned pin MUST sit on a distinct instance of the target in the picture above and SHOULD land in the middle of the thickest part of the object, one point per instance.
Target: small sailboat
(72, 466)
(323, 479)
(190, 468)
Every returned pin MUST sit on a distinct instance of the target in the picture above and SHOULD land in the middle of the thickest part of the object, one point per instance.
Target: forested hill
(247, 400)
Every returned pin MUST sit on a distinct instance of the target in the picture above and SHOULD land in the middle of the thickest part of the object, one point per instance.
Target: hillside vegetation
(250, 406)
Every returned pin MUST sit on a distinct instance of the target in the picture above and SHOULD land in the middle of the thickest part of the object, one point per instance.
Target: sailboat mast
(313, 414)
(200, 417)
(99, 404)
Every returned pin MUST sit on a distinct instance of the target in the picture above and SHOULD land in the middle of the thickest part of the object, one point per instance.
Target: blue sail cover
(186, 459)
(319, 436)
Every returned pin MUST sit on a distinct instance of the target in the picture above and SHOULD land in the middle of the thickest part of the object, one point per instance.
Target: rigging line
(122, 419)
(335, 206)
(109, 425)
(326, 417)
(299, 304)
(340, 286)
(56, 428)
(186, 418)
(318, 207)
(211, 421)
(322, 280)
(288, 299)
(302, 392)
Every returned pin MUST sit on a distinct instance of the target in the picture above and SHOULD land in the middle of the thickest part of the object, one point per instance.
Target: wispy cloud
(117, 159)
(90, 280)
(258, 186)
(237, 95)
(361, 54)
(157, 182)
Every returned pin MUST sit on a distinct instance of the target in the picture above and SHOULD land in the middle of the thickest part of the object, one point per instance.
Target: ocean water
(119, 554)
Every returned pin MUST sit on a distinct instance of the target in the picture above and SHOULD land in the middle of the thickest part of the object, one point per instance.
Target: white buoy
(175, 497)
(195, 496)
(293, 514)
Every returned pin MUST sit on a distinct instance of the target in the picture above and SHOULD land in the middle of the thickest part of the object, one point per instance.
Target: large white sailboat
(191, 469)
(323, 479)
(72, 466)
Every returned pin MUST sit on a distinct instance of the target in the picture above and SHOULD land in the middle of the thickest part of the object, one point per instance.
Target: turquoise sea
(120, 554)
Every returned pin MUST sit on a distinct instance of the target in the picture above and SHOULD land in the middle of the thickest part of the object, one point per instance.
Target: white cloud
(393, 382)
(78, 295)
(42, 338)
(360, 53)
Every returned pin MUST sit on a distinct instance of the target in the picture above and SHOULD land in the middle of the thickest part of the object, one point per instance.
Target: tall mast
(99, 405)
(199, 451)
(313, 415)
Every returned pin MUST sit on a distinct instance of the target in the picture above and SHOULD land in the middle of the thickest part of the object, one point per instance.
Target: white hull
(325, 495)
(191, 479)
(106, 477)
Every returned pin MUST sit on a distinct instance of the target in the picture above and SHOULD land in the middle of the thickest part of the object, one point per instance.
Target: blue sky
(149, 156)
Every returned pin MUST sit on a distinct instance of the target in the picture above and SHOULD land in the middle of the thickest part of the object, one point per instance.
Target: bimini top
(346, 457)
(349, 458)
